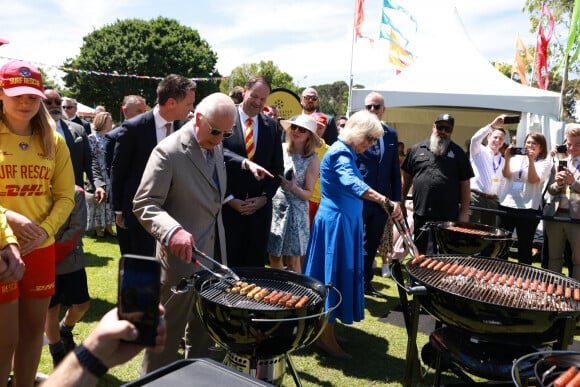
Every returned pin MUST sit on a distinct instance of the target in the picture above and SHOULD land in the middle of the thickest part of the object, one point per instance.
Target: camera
(511, 119)
(561, 165)
(138, 295)
(518, 151)
(562, 148)
(289, 174)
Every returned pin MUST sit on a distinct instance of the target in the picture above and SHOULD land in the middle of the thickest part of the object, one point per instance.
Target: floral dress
(102, 214)
(290, 229)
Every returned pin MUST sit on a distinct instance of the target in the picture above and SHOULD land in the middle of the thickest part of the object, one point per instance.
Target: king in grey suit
(179, 201)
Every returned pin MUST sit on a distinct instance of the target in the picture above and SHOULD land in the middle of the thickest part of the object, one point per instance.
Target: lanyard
(521, 168)
(495, 167)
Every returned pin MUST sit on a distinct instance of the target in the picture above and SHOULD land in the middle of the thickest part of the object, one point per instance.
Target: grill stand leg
(567, 335)
(292, 370)
(411, 317)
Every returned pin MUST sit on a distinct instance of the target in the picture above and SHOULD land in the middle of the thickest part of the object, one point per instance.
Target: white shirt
(487, 167)
(160, 124)
(517, 192)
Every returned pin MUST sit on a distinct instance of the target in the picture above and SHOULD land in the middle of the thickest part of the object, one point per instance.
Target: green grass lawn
(378, 347)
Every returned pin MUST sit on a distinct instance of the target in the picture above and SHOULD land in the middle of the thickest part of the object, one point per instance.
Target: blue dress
(335, 249)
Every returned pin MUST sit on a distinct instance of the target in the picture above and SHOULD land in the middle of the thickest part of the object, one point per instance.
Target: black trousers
(374, 224)
(525, 224)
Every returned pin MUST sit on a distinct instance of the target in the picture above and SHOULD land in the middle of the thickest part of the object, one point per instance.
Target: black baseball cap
(447, 118)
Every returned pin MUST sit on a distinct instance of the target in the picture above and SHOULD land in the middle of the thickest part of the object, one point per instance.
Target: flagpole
(349, 104)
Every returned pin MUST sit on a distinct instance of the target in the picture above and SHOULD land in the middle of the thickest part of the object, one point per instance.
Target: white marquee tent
(451, 75)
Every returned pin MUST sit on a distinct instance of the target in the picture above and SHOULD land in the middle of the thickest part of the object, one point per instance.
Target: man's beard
(309, 108)
(437, 145)
(56, 114)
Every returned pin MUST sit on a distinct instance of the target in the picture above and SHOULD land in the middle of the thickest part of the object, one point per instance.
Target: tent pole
(349, 106)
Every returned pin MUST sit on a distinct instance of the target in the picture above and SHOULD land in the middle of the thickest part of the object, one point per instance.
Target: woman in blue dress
(335, 250)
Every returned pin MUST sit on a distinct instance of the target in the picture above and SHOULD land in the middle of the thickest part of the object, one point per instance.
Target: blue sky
(308, 39)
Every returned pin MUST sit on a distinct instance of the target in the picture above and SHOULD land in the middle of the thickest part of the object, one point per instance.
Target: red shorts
(38, 278)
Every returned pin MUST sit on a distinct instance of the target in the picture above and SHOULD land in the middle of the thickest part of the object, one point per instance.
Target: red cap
(18, 77)
(320, 118)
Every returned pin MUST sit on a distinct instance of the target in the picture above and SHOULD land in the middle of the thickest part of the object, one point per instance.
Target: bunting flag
(359, 18)
(116, 74)
(522, 56)
(572, 37)
(399, 55)
(543, 76)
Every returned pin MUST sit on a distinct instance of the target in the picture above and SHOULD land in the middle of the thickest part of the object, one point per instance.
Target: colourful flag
(522, 55)
(398, 55)
(359, 18)
(543, 76)
(572, 36)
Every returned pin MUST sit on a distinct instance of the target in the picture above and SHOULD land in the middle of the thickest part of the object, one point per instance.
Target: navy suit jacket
(135, 141)
(384, 177)
(80, 151)
(109, 141)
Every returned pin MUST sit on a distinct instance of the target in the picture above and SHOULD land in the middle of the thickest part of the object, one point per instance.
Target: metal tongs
(403, 229)
(230, 277)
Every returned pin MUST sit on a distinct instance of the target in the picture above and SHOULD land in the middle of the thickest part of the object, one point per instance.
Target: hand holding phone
(138, 295)
(562, 164)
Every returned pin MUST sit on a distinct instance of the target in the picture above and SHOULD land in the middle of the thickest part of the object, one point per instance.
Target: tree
(145, 48)
(267, 69)
(562, 11)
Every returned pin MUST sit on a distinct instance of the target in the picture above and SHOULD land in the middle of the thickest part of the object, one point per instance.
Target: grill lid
(498, 282)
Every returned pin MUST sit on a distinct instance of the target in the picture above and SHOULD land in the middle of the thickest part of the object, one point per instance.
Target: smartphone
(518, 151)
(289, 175)
(138, 295)
(511, 119)
(562, 164)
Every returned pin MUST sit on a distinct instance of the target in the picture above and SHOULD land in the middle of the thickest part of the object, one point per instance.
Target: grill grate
(215, 291)
(500, 282)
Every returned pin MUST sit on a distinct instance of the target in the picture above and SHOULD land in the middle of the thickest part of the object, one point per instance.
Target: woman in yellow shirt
(36, 195)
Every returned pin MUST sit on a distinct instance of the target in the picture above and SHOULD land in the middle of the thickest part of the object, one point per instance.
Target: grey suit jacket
(555, 191)
(177, 189)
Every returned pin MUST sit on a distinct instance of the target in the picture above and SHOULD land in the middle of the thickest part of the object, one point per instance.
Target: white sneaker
(386, 270)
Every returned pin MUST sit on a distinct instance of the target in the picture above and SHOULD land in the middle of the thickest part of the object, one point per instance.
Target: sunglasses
(445, 128)
(68, 107)
(372, 139)
(310, 98)
(217, 132)
(376, 106)
(300, 129)
(52, 101)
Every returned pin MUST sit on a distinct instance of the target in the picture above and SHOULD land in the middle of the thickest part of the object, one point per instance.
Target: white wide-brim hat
(303, 121)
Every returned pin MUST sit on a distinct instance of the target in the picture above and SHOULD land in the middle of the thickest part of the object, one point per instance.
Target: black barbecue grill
(257, 335)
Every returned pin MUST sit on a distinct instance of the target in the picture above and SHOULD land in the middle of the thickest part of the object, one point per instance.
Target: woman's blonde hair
(100, 120)
(309, 146)
(360, 125)
(43, 124)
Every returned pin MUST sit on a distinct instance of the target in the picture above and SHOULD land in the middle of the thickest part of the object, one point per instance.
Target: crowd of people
(310, 193)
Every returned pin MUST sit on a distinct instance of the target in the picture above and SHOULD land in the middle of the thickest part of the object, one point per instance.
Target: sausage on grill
(425, 262)
(247, 289)
(566, 377)
(439, 265)
(292, 302)
(261, 294)
(253, 292)
(269, 297)
(284, 299)
(277, 297)
(302, 302)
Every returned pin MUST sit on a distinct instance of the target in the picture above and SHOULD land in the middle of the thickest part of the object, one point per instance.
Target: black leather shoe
(371, 291)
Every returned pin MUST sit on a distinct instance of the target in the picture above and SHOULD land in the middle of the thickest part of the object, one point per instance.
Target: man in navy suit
(247, 212)
(133, 105)
(69, 106)
(76, 140)
(379, 165)
(135, 142)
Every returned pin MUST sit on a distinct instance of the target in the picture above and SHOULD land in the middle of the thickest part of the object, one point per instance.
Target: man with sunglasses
(179, 201)
(439, 171)
(135, 141)
(309, 101)
(379, 166)
(69, 106)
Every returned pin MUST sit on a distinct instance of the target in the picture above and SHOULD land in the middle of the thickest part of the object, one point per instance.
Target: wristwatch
(90, 361)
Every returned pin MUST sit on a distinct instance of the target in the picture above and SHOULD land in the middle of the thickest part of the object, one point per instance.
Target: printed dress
(290, 231)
